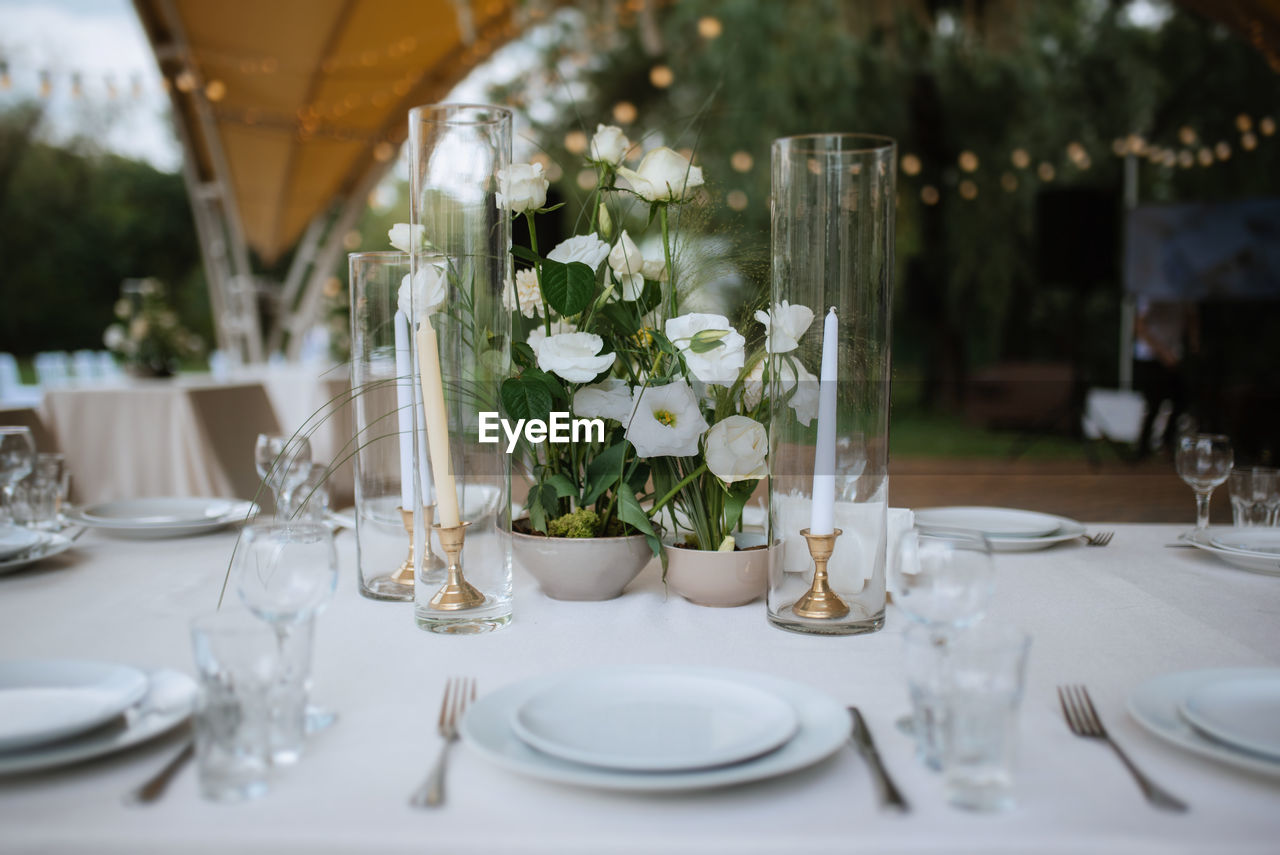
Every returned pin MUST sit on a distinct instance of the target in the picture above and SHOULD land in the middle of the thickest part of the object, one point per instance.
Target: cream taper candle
(437, 425)
(822, 514)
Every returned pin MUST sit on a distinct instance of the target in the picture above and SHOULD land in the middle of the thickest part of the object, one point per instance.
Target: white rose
(655, 270)
(528, 296)
(736, 449)
(574, 356)
(114, 337)
(609, 145)
(720, 362)
(538, 334)
(608, 400)
(521, 187)
(429, 291)
(667, 422)
(588, 249)
(628, 266)
(663, 176)
(784, 325)
(407, 238)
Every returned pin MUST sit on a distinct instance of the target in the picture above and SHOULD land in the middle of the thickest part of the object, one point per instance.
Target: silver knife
(861, 738)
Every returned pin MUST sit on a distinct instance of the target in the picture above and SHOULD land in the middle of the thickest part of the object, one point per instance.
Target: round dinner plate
(50, 544)
(824, 726)
(992, 522)
(45, 700)
(168, 702)
(1157, 706)
(1243, 712)
(1065, 529)
(1256, 562)
(14, 540)
(1264, 542)
(654, 719)
(161, 516)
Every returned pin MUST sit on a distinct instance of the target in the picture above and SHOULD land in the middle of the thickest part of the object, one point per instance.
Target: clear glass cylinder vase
(390, 480)
(832, 249)
(461, 261)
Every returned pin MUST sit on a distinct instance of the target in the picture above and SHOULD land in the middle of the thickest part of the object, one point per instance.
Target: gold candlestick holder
(457, 593)
(820, 601)
(430, 561)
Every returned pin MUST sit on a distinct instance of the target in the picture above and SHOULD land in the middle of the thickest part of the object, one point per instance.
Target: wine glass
(283, 463)
(17, 457)
(1204, 461)
(286, 574)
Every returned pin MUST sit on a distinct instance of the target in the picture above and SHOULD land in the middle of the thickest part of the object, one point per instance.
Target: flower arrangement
(598, 331)
(147, 334)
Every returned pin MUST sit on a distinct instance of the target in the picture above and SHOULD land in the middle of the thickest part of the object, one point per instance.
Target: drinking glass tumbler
(1255, 496)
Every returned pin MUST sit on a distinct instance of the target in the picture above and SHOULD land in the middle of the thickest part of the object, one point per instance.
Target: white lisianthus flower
(667, 421)
(736, 448)
(574, 356)
(655, 269)
(588, 249)
(609, 145)
(528, 295)
(784, 325)
(608, 400)
(538, 334)
(522, 187)
(663, 176)
(794, 381)
(407, 238)
(628, 266)
(713, 350)
(429, 291)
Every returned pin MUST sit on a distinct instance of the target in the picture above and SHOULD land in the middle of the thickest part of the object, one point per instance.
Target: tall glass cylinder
(833, 221)
(390, 480)
(461, 261)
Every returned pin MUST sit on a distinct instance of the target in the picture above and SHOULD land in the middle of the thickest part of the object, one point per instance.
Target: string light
(910, 164)
(1222, 150)
(587, 179)
(1046, 172)
(661, 76)
(1021, 158)
(929, 194)
(1119, 147)
(709, 27)
(737, 200)
(1267, 125)
(1244, 123)
(624, 112)
(968, 161)
(575, 142)
(1205, 156)
(215, 90)
(1169, 159)
(185, 81)
(1136, 144)
(384, 151)
(1009, 182)
(1187, 135)
(968, 190)
(1186, 159)
(1248, 141)
(741, 161)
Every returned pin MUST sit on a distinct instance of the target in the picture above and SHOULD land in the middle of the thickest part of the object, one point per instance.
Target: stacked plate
(1256, 549)
(656, 728)
(1006, 529)
(57, 712)
(161, 517)
(22, 546)
(1229, 714)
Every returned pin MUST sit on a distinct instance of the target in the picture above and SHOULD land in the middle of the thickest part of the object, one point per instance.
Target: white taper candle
(822, 515)
(437, 426)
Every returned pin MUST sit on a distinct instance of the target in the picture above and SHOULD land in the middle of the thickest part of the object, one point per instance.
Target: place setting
(1007, 529)
(1205, 462)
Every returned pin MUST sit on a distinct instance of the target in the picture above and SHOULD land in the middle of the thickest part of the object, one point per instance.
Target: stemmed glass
(1204, 461)
(17, 457)
(283, 464)
(286, 574)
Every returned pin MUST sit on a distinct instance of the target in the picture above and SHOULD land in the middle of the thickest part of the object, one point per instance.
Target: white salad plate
(1263, 542)
(49, 544)
(1157, 705)
(168, 702)
(1243, 712)
(161, 516)
(1256, 561)
(45, 700)
(15, 540)
(823, 726)
(654, 719)
(985, 521)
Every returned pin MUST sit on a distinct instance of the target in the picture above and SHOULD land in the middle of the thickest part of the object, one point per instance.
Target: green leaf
(603, 472)
(650, 298)
(568, 287)
(554, 207)
(563, 486)
(621, 319)
(735, 500)
(549, 381)
(630, 512)
(525, 398)
(522, 355)
(537, 513)
(526, 254)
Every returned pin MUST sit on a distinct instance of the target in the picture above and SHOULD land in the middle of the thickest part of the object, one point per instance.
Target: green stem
(677, 488)
(666, 252)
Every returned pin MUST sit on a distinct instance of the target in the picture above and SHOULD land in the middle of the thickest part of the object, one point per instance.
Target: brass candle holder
(430, 561)
(820, 601)
(457, 593)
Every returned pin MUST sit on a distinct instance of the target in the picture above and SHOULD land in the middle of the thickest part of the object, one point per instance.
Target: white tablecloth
(1109, 618)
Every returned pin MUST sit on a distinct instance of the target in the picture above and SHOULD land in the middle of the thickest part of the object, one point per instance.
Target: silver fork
(457, 694)
(1083, 719)
(1102, 538)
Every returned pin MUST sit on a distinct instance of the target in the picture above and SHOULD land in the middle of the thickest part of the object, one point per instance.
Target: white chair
(13, 392)
(85, 364)
(108, 368)
(1113, 414)
(53, 368)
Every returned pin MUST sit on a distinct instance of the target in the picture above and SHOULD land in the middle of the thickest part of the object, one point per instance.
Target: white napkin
(869, 537)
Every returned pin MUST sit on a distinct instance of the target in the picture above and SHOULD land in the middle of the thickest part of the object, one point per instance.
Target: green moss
(580, 523)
